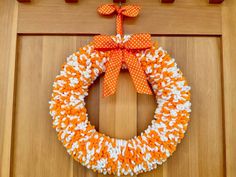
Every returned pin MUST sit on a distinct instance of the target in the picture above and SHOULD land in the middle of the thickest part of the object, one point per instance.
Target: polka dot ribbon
(128, 10)
(123, 53)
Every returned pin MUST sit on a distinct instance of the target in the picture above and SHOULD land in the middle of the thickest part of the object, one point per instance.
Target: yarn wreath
(105, 154)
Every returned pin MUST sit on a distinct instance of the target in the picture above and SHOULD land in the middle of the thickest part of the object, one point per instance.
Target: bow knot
(121, 46)
(120, 10)
(123, 52)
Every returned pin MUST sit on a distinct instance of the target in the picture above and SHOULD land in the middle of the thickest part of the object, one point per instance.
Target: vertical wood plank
(8, 36)
(229, 75)
(118, 113)
(126, 108)
(35, 144)
(201, 152)
(40, 58)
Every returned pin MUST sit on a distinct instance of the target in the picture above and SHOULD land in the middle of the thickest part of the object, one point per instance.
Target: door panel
(36, 150)
(56, 17)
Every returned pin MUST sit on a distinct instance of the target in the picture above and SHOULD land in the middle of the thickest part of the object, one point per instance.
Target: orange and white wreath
(100, 152)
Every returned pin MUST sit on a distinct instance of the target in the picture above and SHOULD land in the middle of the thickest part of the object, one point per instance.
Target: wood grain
(123, 115)
(35, 141)
(229, 89)
(53, 16)
(28, 144)
(118, 113)
(34, 137)
(202, 149)
(121, 109)
(8, 23)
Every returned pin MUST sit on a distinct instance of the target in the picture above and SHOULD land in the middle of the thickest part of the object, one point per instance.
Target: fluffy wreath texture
(108, 155)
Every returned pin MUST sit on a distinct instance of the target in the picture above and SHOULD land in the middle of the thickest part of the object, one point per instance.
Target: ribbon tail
(112, 72)
(137, 74)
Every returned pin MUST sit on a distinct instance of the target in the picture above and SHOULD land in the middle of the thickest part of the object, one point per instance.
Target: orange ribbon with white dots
(123, 53)
(129, 11)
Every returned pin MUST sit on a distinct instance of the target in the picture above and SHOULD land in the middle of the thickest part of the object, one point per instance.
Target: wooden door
(36, 38)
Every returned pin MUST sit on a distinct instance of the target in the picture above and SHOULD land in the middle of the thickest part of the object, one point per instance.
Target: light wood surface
(185, 17)
(8, 27)
(118, 113)
(36, 38)
(229, 89)
(123, 115)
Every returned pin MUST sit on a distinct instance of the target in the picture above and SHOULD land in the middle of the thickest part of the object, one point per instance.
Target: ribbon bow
(129, 11)
(123, 53)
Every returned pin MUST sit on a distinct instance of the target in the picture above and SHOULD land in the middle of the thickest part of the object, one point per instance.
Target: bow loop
(106, 9)
(139, 41)
(104, 42)
(130, 10)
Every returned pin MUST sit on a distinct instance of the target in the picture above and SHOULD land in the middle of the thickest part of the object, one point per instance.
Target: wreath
(98, 151)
